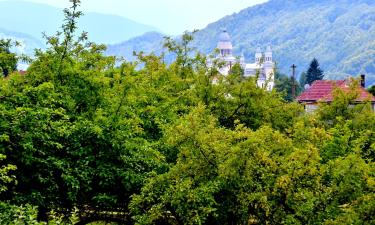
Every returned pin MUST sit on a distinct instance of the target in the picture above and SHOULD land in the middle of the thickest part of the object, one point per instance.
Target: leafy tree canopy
(8, 60)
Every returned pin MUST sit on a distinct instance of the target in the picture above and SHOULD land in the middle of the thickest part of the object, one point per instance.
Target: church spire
(258, 55)
(242, 60)
(268, 54)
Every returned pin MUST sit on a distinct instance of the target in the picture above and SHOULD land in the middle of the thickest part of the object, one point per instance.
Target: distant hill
(27, 42)
(32, 19)
(149, 42)
(339, 33)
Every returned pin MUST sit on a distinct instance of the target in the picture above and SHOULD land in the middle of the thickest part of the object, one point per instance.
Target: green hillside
(339, 33)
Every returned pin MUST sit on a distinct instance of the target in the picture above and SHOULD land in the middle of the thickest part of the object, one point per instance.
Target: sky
(170, 16)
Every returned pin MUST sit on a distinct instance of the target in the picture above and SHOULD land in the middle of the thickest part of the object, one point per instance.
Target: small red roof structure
(322, 90)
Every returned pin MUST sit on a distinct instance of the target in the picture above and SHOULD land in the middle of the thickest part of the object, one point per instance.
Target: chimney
(363, 80)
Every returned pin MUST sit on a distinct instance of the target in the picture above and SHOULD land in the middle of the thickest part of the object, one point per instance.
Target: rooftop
(322, 90)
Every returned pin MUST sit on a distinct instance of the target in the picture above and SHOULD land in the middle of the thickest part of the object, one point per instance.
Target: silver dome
(224, 36)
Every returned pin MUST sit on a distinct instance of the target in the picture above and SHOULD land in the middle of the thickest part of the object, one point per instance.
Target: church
(263, 67)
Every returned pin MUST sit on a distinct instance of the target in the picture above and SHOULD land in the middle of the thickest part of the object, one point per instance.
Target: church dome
(224, 36)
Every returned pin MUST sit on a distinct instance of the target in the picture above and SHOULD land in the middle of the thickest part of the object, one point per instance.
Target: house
(262, 67)
(322, 91)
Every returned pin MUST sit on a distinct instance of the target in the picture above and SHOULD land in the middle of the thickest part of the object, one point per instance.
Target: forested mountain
(33, 19)
(339, 33)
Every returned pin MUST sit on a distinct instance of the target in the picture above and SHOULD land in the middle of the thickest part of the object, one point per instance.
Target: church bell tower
(225, 45)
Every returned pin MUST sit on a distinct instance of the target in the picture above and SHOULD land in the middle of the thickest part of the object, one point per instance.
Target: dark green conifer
(314, 72)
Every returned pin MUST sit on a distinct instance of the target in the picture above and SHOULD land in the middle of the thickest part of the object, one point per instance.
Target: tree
(5, 178)
(68, 122)
(302, 80)
(372, 90)
(314, 72)
(8, 60)
(241, 176)
(284, 85)
(11, 214)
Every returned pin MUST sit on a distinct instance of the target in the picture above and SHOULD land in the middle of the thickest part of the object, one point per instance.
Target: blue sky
(171, 16)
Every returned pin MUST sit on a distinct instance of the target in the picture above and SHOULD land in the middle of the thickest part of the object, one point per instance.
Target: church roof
(322, 90)
(224, 36)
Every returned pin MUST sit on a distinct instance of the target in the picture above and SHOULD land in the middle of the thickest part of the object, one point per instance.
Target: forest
(86, 137)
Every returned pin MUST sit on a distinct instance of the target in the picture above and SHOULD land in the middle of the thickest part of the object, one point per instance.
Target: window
(310, 108)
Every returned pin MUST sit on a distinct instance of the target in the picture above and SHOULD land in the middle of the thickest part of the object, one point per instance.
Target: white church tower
(263, 67)
(258, 55)
(226, 52)
(267, 78)
(269, 67)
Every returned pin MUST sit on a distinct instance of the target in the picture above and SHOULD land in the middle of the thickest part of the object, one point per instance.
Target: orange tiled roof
(321, 90)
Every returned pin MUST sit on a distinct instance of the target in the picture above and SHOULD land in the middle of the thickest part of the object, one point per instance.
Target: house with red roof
(322, 91)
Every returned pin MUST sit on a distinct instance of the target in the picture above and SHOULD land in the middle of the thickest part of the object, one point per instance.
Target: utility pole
(294, 81)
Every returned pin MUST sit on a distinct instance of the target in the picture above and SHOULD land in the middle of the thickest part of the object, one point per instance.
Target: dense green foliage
(338, 33)
(314, 72)
(372, 90)
(284, 84)
(174, 144)
(8, 60)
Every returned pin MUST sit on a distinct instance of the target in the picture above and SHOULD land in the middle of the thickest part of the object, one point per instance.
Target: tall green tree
(302, 79)
(312, 173)
(75, 133)
(314, 72)
(372, 90)
(8, 60)
(284, 85)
